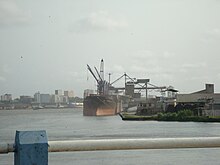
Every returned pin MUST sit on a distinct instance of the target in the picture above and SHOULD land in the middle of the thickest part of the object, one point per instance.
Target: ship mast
(102, 69)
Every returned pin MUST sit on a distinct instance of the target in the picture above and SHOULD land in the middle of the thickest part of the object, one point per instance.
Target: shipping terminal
(110, 101)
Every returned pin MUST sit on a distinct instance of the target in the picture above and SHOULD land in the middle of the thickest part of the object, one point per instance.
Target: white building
(64, 99)
(42, 98)
(6, 97)
(59, 99)
(55, 99)
(58, 92)
(37, 97)
(69, 93)
(45, 98)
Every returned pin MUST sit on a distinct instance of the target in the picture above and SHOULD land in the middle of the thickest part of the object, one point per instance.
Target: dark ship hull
(96, 105)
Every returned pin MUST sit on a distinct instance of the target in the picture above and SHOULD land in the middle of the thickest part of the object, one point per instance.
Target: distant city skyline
(45, 45)
(60, 92)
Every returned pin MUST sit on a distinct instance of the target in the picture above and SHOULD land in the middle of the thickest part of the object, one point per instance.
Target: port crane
(140, 84)
(103, 86)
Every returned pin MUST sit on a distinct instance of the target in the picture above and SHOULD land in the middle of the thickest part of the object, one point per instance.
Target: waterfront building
(58, 92)
(63, 99)
(59, 99)
(37, 97)
(42, 98)
(69, 93)
(55, 99)
(26, 99)
(6, 97)
(45, 98)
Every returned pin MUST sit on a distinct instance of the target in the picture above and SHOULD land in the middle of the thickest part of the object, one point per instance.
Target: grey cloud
(143, 54)
(118, 69)
(218, 76)
(215, 32)
(150, 59)
(98, 21)
(4, 69)
(152, 64)
(205, 78)
(211, 35)
(10, 13)
(152, 55)
(167, 54)
(2, 79)
(194, 65)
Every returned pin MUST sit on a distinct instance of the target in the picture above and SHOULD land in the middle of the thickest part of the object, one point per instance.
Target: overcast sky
(46, 44)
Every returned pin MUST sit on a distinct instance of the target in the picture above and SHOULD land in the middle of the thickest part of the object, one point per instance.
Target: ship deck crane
(90, 70)
(101, 83)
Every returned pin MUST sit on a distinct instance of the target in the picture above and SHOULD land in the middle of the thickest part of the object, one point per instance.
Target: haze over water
(70, 124)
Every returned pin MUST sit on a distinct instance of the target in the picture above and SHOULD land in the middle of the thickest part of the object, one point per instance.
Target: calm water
(70, 124)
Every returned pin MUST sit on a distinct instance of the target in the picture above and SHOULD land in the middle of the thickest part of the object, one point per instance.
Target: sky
(46, 44)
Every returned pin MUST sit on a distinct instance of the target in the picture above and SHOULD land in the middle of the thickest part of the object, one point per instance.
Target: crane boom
(98, 74)
(92, 73)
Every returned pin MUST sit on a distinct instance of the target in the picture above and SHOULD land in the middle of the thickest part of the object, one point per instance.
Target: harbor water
(70, 124)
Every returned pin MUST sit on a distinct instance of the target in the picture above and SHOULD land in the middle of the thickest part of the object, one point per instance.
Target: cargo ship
(96, 105)
(101, 104)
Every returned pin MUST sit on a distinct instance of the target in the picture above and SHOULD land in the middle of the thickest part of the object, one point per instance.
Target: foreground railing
(32, 147)
(132, 144)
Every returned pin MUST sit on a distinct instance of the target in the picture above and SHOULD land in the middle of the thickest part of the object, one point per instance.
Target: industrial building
(207, 101)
